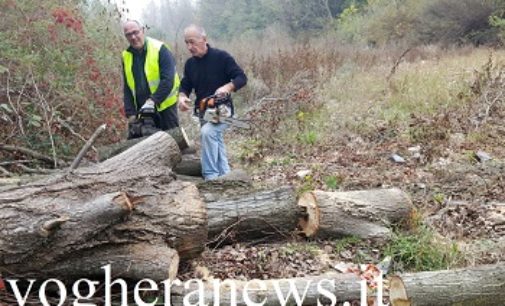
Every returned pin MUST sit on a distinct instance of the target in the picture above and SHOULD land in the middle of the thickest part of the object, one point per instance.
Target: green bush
(60, 65)
(458, 21)
(414, 22)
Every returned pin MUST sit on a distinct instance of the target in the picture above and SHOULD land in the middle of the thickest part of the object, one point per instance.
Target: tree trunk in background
(365, 214)
(128, 200)
(109, 151)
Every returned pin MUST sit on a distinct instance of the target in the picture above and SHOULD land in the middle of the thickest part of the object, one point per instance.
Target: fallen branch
(5, 171)
(19, 119)
(15, 162)
(397, 63)
(48, 117)
(72, 131)
(32, 153)
(36, 171)
(86, 147)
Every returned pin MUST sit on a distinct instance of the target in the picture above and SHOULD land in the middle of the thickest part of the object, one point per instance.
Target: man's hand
(148, 106)
(225, 90)
(183, 103)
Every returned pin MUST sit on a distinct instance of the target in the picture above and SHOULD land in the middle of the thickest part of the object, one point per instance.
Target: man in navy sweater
(209, 71)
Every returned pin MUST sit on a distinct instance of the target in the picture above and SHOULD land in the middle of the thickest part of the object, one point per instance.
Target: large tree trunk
(106, 152)
(345, 287)
(129, 199)
(253, 215)
(366, 214)
(475, 286)
(237, 213)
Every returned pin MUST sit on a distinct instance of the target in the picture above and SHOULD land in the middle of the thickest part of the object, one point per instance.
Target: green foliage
(416, 22)
(226, 20)
(231, 18)
(333, 182)
(439, 198)
(308, 248)
(345, 243)
(251, 150)
(60, 60)
(457, 21)
(419, 251)
(308, 184)
(308, 137)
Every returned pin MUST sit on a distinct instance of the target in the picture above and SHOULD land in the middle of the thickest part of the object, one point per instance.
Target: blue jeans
(214, 160)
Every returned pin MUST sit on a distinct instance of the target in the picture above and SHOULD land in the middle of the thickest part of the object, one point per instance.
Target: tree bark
(345, 287)
(106, 152)
(253, 215)
(474, 286)
(190, 165)
(129, 199)
(365, 214)
(131, 261)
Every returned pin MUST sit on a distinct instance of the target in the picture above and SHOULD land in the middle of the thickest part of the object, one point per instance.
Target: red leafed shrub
(61, 83)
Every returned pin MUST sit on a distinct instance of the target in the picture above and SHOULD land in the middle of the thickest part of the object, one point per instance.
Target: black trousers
(168, 118)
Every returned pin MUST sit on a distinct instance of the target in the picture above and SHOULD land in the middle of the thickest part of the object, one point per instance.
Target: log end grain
(397, 292)
(309, 223)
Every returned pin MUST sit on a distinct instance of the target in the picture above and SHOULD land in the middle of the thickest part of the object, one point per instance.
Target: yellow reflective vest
(152, 71)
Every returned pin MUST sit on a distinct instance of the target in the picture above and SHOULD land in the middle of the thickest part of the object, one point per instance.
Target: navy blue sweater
(206, 74)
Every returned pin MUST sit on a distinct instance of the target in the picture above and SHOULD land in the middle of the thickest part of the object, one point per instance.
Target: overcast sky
(135, 8)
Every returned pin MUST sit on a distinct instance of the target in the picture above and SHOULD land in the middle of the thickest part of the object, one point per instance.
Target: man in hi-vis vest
(151, 83)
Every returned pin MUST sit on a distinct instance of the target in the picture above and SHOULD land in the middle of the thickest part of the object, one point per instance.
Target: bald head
(196, 40)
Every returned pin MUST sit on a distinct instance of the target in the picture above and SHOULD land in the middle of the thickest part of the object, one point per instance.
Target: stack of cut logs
(134, 212)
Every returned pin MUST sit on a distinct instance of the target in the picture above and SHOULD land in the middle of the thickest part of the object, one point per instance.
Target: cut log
(365, 214)
(129, 199)
(344, 287)
(106, 152)
(190, 165)
(474, 286)
(253, 215)
(135, 261)
(232, 185)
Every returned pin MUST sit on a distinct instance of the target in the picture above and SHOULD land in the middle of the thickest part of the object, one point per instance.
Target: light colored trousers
(214, 160)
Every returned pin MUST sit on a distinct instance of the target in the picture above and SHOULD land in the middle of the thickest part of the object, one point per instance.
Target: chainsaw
(218, 109)
(144, 124)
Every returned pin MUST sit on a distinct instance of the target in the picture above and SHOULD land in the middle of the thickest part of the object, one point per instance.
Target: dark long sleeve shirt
(206, 74)
(142, 91)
